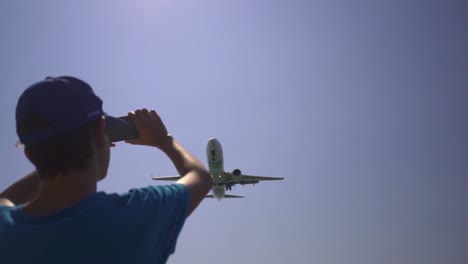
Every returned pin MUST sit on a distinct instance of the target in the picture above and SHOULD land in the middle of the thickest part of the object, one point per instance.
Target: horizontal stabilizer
(166, 178)
(260, 178)
(225, 196)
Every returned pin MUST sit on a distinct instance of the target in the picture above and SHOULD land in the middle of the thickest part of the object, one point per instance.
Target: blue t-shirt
(140, 226)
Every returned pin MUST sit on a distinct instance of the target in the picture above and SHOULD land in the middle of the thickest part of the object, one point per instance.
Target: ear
(100, 135)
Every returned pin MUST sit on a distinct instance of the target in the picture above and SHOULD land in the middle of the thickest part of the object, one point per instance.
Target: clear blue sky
(361, 105)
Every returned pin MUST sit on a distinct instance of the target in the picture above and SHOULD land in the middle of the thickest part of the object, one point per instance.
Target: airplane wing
(166, 178)
(260, 178)
(248, 179)
(225, 196)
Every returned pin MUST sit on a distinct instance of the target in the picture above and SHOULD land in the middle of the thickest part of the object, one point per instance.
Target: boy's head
(62, 125)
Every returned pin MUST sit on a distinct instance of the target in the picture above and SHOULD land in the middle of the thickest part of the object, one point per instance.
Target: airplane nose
(212, 142)
(214, 149)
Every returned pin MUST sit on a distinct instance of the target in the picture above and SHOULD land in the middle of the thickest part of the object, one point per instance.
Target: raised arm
(22, 191)
(153, 132)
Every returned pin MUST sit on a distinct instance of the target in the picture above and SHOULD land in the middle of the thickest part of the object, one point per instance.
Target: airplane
(222, 180)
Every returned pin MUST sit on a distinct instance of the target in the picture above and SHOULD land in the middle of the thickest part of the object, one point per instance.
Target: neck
(62, 191)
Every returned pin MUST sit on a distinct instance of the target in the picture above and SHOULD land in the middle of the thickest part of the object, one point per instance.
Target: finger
(139, 114)
(145, 112)
(132, 116)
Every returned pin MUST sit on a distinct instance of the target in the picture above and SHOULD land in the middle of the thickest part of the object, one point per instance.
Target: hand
(152, 130)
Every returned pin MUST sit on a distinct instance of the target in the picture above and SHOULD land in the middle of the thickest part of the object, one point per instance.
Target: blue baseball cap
(65, 102)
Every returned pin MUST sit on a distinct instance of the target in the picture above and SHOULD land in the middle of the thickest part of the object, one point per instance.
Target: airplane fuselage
(214, 154)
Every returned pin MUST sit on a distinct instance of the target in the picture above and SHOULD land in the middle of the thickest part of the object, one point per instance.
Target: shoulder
(4, 208)
(157, 192)
(152, 195)
(6, 214)
(5, 202)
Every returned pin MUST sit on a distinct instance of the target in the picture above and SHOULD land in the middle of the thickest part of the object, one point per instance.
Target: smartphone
(123, 132)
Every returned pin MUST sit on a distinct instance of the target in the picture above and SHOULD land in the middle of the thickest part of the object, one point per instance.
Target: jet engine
(236, 175)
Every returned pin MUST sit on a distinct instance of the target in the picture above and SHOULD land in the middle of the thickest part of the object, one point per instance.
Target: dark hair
(68, 151)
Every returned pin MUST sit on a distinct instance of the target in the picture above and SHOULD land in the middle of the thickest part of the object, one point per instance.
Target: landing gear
(228, 188)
